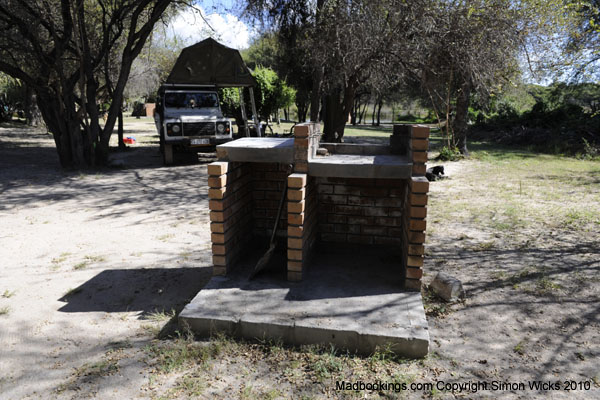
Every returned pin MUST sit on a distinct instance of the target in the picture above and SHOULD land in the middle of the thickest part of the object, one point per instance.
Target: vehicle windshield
(191, 100)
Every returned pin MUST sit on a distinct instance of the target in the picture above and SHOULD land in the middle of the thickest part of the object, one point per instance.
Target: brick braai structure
(362, 195)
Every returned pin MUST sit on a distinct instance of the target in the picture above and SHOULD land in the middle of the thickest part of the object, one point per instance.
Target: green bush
(507, 111)
(271, 93)
(449, 154)
(430, 118)
(558, 118)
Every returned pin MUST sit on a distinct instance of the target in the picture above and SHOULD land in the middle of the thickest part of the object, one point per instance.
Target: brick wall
(230, 204)
(363, 211)
(268, 180)
(243, 202)
(382, 211)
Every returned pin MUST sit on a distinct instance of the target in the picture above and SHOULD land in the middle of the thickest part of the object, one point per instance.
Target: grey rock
(447, 287)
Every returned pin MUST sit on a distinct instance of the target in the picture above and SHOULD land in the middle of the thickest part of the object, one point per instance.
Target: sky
(223, 25)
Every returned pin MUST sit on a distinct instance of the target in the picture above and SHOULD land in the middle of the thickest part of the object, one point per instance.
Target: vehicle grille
(198, 128)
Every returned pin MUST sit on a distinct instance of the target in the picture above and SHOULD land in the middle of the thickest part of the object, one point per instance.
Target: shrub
(449, 154)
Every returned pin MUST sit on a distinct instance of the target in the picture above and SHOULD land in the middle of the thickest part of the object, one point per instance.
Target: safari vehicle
(189, 119)
(188, 116)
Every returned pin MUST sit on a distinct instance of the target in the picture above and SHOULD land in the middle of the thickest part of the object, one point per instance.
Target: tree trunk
(379, 105)
(364, 110)
(459, 125)
(373, 114)
(120, 130)
(337, 112)
(63, 121)
(302, 111)
(33, 115)
(315, 95)
(92, 132)
(75, 150)
(345, 107)
(331, 105)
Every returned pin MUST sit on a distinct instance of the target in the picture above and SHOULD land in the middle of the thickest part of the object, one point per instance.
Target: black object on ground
(435, 173)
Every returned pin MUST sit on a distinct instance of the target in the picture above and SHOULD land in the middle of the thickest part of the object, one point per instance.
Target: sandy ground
(88, 261)
(125, 243)
(532, 311)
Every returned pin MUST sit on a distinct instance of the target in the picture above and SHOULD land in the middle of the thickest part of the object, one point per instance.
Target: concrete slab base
(351, 301)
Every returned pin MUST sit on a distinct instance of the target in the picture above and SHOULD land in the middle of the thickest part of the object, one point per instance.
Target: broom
(264, 260)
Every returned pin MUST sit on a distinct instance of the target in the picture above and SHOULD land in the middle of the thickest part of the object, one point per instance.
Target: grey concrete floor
(350, 298)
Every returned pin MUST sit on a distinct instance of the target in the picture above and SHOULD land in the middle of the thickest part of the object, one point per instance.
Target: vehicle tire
(167, 154)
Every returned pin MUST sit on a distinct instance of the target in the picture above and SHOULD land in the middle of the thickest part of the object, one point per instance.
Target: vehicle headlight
(220, 128)
(174, 129)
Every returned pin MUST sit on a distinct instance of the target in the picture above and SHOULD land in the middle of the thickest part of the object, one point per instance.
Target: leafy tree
(472, 46)
(584, 41)
(16, 96)
(63, 61)
(12, 96)
(475, 47)
(586, 95)
(282, 51)
(154, 64)
(263, 51)
(271, 94)
(293, 21)
(451, 50)
(357, 40)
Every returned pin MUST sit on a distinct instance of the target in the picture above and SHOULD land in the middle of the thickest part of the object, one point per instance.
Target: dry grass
(194, 367)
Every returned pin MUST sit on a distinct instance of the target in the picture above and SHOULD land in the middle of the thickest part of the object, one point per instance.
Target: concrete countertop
(277, 150)
(361, 166)
(281, 150)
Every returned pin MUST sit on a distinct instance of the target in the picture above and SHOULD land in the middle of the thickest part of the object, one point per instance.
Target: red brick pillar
(296, 230)
(302, 201)
(230, 203)
(417, 206)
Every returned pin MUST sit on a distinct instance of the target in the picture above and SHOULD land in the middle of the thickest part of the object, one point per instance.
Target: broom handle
(280, 207)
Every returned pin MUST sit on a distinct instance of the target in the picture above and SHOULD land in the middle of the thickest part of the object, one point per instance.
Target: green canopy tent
(209, 63)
